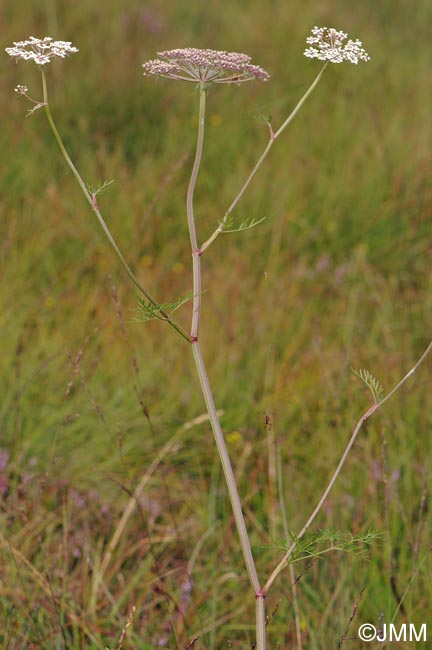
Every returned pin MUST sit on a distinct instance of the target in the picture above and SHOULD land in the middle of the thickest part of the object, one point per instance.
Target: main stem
(92, 201)
(207, 392)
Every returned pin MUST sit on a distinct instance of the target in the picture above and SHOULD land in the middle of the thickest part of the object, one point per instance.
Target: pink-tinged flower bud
(204, 66)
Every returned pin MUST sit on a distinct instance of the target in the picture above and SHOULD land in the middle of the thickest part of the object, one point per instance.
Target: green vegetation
(336, 277)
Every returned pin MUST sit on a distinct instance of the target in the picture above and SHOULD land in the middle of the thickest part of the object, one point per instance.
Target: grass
(336, 277)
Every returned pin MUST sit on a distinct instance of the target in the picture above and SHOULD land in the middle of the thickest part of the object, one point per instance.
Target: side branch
(273, 138)
(91, 199)
(282, 564)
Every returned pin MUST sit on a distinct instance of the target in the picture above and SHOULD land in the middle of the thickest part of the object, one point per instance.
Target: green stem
(282, 564)
(227, 468)
(273, 137)
(92, 201)
(301, 102)
(196, 253)
(205, 384)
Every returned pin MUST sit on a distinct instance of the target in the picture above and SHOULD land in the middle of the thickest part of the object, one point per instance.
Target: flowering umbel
(329, 45)
(41, 50)
(21, 90)
(204, 66)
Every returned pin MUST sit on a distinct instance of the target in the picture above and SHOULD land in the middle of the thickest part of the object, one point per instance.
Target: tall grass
(337, 276)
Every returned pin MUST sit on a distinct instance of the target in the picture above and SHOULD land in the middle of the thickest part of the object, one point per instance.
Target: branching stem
(273, 137)
(205, 385)
(93, 204)
(284, 561)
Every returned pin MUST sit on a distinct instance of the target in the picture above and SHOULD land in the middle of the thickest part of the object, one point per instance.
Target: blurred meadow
(337, 276)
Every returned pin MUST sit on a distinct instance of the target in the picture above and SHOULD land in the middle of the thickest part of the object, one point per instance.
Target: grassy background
(336, 277)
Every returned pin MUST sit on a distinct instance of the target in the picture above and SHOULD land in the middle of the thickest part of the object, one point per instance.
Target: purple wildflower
(4, 459)
(205, 66)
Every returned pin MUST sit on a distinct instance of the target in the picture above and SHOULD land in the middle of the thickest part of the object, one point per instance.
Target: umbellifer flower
(204, 66)
(21, 90)
(41, 50)
(329, 45)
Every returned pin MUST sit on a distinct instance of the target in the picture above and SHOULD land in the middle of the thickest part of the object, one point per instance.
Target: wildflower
(41, 50)
(204, 66)
(330, 46)
(22, 91)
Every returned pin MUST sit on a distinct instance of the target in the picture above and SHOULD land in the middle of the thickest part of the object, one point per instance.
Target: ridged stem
(205, 384)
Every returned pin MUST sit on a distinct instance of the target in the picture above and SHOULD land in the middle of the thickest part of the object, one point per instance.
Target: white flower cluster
(41, 50)
(205, 66)
(329, 45)
(21, 90)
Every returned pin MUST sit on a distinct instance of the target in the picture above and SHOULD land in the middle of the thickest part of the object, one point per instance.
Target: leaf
(246, 224)
(371, 382)
(94, 190)
(147, 311)
(325, 541)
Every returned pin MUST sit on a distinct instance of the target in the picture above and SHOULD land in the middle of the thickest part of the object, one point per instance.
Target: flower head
(329, 45)
(41, 50)
(21, 90)
(204, 66)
